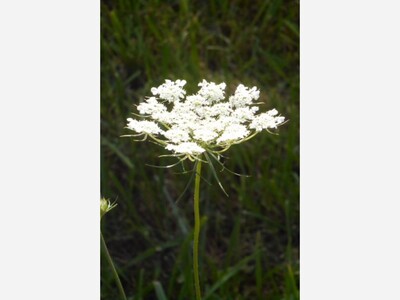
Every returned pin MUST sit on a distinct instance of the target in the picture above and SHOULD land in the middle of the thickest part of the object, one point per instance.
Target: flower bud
(105, 206)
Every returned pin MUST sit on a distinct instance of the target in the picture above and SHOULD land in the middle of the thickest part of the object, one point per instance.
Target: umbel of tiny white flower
(206, 122)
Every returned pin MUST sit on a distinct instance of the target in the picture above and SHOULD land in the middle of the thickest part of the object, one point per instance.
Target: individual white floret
(151, 106)
(221, 123)
(186, 148)
(148, 127)
(177, 135)
(244, 114)
(279, 121)
(244, 96)
(233, 132)
(204, 134)
(183, 110)
(221, 109)
(266, 120)
(273, 112)
(170, 90)
(211, 91)
(182, 116)
(203, 112)
(164, 117)
(196, 100)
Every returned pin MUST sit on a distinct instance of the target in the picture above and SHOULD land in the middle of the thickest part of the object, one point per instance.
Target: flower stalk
(105, 207)
(196, 205)
(109, 259)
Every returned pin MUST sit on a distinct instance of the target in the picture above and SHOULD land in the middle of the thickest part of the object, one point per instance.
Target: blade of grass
(258, 269)
(159, 291)
(229, 274)
(182, 222)
(117, 151)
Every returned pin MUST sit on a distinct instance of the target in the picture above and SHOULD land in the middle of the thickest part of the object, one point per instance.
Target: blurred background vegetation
(250, 240)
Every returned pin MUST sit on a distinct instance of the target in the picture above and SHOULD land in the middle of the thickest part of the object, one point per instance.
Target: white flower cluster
(203, 121)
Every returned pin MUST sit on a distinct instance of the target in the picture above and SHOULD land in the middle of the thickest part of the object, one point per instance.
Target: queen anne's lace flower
(244, 96)
(146, 127)
(202, 122)
(151, 106)
(233, 133)
(188, 148)
(177, 135)
(211, 91)
(170, 91)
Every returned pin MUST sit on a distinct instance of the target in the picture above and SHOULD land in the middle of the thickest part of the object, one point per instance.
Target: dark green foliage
(249, 246)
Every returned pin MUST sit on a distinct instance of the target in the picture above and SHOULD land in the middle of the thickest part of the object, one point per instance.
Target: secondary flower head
(189, 126)
(105, 206)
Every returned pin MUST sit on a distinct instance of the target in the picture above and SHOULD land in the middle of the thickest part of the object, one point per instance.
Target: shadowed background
(249, 246)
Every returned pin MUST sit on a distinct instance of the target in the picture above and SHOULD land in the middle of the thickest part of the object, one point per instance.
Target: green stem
(119, 284)
(196, 230)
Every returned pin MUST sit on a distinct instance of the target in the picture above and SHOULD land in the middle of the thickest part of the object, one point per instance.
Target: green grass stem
(119, 284)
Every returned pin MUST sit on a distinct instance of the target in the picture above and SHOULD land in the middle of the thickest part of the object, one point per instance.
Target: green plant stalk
(119, 284)
(196, 204)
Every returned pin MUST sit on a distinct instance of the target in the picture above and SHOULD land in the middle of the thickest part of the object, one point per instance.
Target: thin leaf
(165, 167)
(229, 274)
(225, 168)
(215, 173)
(187, 185)
(182, 222)
(121, 155)
(159, 291)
